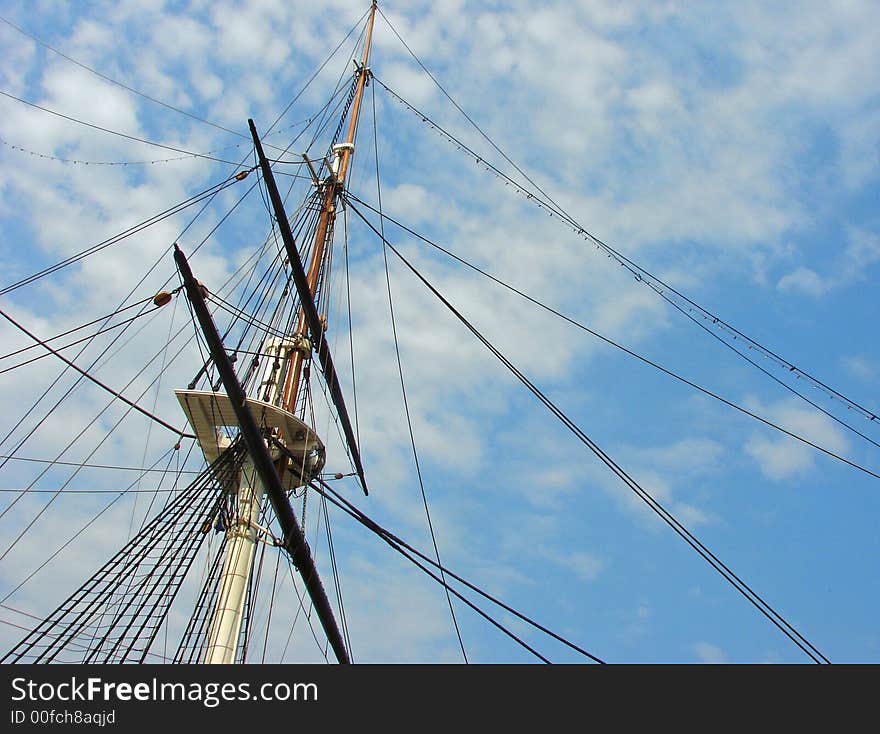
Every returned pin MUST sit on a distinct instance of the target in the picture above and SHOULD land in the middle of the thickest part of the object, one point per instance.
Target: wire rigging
(46, 392)
(118, 83)
(337, 584)
(116, 132)
(745, 590)
(640, 274)
(207, 196)
(791, 434)
(166, 104)
(170, 456)
(106, 436)
(123, 605)
(79, 161)
(89, 338)
(317, 72)
(77, 328)
(95, 380)
(412, 438)
(411, 553)
(89, 466)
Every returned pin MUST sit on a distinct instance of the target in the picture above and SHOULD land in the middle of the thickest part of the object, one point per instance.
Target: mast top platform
(209, 411)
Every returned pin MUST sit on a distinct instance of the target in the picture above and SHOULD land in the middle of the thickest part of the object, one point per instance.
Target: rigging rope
(95, 380)
(209, 235)
(744, 589)
(118, 83)
(134, 590)
(78, 328)
(351, 197)
(116, 132)
(640, 274)
(208, 194)
(336, 581)
(170, 106)
(89, 338)
(319, 70)
(412, 438)
(106, 436)
(77, 161)
(410, 552)
(80, 531)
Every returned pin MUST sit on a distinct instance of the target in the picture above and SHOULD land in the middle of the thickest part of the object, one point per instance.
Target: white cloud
(692, 455)
(850, 266)
(860, 156)
(652, 102)
(19, 52)
(674, 474)
(635, 311)
(862, 252)
(860, 367)
(411, 84)
(803, 280)
(413, 608)
(781, 458)
(585, 566)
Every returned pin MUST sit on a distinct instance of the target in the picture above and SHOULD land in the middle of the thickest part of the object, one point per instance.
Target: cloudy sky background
(734, 150)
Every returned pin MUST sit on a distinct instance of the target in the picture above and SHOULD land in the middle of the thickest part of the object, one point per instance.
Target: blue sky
(732, 150)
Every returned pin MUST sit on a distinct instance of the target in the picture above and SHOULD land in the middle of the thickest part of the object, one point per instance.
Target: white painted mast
(241, 541)
(210, 414)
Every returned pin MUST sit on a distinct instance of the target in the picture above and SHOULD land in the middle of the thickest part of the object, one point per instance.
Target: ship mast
(333, 189)
(295, 449)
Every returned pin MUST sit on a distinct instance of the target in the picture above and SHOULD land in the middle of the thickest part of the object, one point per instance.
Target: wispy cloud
(851, 266)
(861, 367)
(784, 458)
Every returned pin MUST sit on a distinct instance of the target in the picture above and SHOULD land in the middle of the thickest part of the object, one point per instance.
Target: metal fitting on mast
(338, 150)
(303, 345)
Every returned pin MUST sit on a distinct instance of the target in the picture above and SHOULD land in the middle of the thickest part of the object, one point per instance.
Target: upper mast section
(363, 74)
(324, 232)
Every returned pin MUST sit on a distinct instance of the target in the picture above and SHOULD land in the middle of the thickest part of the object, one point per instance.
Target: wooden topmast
(333, 188)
